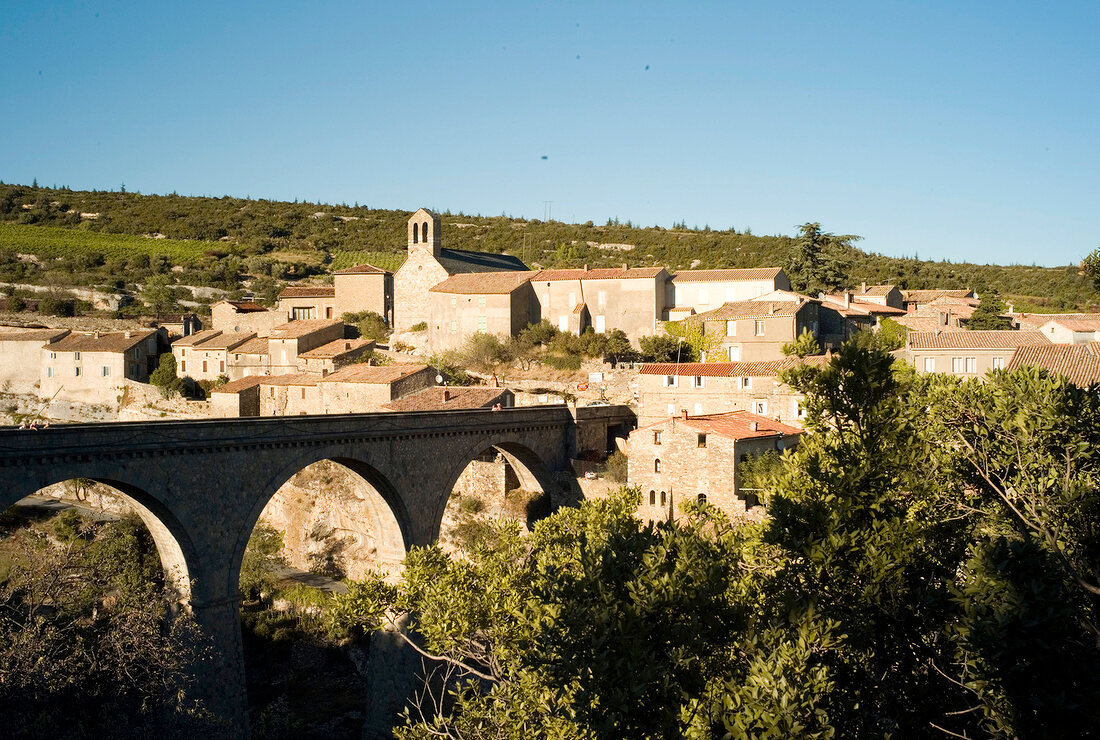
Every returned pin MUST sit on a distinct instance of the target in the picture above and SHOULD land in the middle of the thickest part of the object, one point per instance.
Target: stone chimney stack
(863, 287)
(586, 267)
(753, 426)
(848, 298)
(684, 414)
(446, 395)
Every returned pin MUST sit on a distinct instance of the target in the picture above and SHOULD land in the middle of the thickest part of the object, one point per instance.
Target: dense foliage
(287, 241)
(928, 568)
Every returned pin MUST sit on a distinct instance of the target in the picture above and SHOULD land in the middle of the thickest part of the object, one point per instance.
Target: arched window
(662, 498)
(657, 466)
(652, 498)
(702, 498)
(424, 238)
(416, 234)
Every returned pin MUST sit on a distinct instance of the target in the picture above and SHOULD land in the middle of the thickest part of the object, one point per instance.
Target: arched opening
(416, 234)
(499, 481)
(93, 581)
(425, 233)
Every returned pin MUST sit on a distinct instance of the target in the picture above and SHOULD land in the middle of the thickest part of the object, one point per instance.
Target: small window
(481, 301)
(663, 499)
(183, 366)
(698, 381)
(971, 365)
(799, 410)
(746, 382)
(759, 328)
(735, 353)
(671, 381)
(998, 363)
(731, 328)
(76, 371)
(760, 407)
(454, 327)
(76, 355)
(425, 233)
(106, 371)
(671, 409)
(656, 438)
(328, 312)
(701, 440)
(454, 302)
(49, 372)
(221, 366)
(273, 391)
(416, 234)
(652, 498)
(702, 498)
(957, 364)
(929, 364)
(303, 393)
(236, 357)
(53, 355)
(482, 323)
(204, 366)
(657, 467)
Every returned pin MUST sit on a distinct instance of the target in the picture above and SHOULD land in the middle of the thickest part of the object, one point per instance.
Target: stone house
(249, 359)
(697, 291)
(493, 303)
(686, 458)
(966, 354)
(1077, 363)
(360, 388)
(914, 299)
(21, 357)
(289, 340)
(90, 367)
(293, 394)
(364, 288)
(1076, 329)
(756, 330)
(243, 317)
(605, 298)
(702, 388)
(179, 324)
(429, 263)
(453, 398)
(308, 302)
(236, 399)
(206, 355)
(331, 357)
(879, 295)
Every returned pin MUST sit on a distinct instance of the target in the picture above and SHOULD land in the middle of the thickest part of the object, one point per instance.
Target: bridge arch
(389, 516)
(177, 553)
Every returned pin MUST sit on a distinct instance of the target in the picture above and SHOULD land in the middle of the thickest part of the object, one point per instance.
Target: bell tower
(424, 228)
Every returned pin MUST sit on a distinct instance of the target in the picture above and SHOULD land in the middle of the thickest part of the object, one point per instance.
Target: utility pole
(547, 210)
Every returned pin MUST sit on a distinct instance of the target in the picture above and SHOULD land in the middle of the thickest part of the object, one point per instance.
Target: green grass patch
(51, 241)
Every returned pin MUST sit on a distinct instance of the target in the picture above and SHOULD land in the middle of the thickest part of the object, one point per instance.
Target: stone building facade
(244, 317)
(686, 458)
(308, 303)
(206, 355)
(289, 340)
(496, 303)
(756, 330)
(627, 298)
(21, 357)
(966, 354)
(697, 291)
(364, 288)
(89, 368)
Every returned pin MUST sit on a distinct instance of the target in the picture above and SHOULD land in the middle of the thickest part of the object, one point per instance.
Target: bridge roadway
(200, 487)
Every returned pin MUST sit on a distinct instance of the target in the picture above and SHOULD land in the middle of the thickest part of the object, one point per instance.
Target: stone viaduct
(200, 487)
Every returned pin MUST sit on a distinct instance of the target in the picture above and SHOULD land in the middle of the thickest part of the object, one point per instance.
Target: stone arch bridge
(200, 486)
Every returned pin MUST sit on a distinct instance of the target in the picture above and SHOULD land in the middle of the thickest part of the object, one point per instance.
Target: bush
(16, 304)
(615, 467)
(371, 325)
(165, 378)
(57, 306)
(471, 504)
(563, 362)
(419, 326)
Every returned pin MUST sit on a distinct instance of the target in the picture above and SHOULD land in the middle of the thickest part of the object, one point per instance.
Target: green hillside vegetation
(230, 238)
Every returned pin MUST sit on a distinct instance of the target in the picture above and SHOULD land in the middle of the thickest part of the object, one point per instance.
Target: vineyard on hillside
(52, 241)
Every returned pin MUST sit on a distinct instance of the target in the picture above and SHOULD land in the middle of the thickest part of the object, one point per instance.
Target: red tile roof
(292, 379)
(337, 348)
(236, 386)
(104, 342)
(734, 425)
(214, 339)
(39, 336)
(874, 290)
(373, 373)
(755, 309)
(362, 270)
(913, 322)
(246, 306)
(1077, 362)
(989, 339)
(197, 338)
(599, 273)
(1079, 324)
(254, 346)
(1035, 320)
(308, 291)
(484, 283)
(295, 329)
(724, 275)
(924, 296)
(431, 399)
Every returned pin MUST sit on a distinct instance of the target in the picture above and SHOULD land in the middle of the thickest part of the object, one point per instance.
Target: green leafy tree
(371, 325)
(989, 313)
(804, 345)
(165, 378)
(817, 262)
(618, 345)
(1090, 267)
(157, 294)
(664, 348)
(263, 559)
(892, 334)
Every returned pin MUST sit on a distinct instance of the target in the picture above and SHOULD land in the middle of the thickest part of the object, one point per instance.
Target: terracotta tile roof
(362, 270)
(729, 274)
(308, 291)
(431, 399)
(599, 273)
(485, 283)
(254, 346)
(1082, 323)
(337, 348)
(768, 368)
(236, 386)
(295, 329)
(875, 290)
(292, 379)
(197, 338)
(1036, 320)
(924, 296)
(105, 342)
(914, 322)
(854, 310)
(734, 425)
(1076, 362)
(879, 309)
(373, 373)
(755, 309)
(989, 339)
(579, 308)
(227, 340)
(246, 306)
(39, 336)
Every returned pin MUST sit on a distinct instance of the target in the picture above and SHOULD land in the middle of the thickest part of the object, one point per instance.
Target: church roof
(455, 261)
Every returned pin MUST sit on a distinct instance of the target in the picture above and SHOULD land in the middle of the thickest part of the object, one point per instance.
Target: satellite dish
(439, 379)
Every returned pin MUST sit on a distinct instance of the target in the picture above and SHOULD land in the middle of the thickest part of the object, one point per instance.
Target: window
(183, 366)
(221, 366)
(698, 381)
(76, 371)
(760, 407)
(731, 328)
(236, 357)
(735, 353)
(657, 468)
(49, 372)
(799, 410)
(929, 364)
(76, 355)
(303, 393)
(702, 498)
(998, 363)
(662, 498)
(671, 409)
(204, 366)
(454, 302)
(106, 371)
(697, 409)
(971, 364)
(956, 364)
(656, 438)
(481, 301)
(416, 234)
(53, 355)
(301, 313)
(701, 440)
(759, 327)
(454, 327)
(745, 383)
(328, 312)
(601, 324)
(482, 323)
(425, 233)
(652, 498)
(671, 381)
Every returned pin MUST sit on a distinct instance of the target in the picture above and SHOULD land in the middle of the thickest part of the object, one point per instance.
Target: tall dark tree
(818, 261)
(989, 313)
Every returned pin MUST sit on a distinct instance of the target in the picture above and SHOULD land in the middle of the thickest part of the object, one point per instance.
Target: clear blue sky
(958, 130)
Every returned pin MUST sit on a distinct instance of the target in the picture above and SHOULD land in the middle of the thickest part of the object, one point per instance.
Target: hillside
(94, 236)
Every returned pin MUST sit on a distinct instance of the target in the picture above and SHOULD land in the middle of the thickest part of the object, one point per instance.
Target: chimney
(347, 345)
(753, 426)
(586, 268)
(942, 318)
(863, 287)
(683, 414)
(129, 335)
(446, 395)
(848, 299)
(624, 266)
(95, 334)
